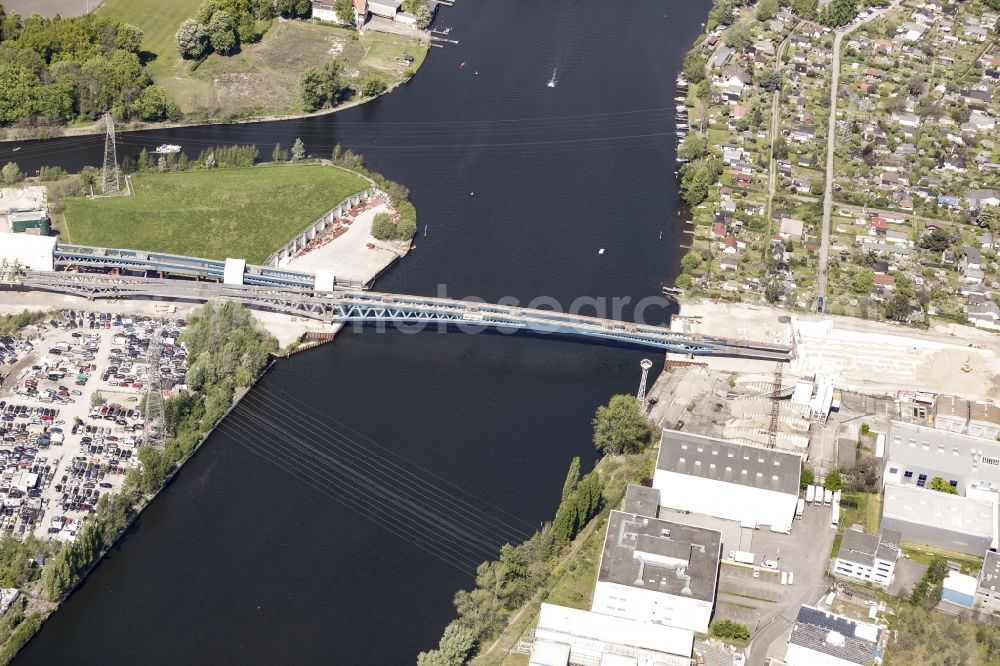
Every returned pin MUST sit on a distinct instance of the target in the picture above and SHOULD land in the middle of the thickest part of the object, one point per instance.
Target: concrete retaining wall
(283, 255)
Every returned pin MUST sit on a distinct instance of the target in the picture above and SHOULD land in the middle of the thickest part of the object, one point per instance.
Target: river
(258, 552)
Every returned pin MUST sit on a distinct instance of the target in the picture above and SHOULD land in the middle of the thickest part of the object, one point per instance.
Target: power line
(367, 481)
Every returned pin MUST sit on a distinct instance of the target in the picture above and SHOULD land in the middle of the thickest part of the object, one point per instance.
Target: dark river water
(332, 518)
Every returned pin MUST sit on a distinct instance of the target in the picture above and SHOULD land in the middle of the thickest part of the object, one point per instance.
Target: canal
(263, 550)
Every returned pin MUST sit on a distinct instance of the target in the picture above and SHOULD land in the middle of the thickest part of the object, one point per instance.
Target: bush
(384, 227)
(729, 630)
(621, 427)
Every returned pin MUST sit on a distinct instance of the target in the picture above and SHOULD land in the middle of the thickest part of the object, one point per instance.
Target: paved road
(824, 248)
(772, 172)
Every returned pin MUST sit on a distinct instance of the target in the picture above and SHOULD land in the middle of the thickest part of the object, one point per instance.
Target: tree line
(53, 71)
(505, 584)
(229, 349)
(222, 26)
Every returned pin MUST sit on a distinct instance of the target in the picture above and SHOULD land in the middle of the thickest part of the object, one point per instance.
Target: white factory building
(658, 572)
(868, 558)
(819, 638)
(988, 587)
(951, 522)
(27, 250)
(571, 636)
(918, 453)
(751, 485)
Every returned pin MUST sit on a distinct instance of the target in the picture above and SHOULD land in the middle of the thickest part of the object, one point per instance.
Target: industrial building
(917, 453)
(658, 572)
(988, 587)
(753, 486)
(959, 589)
(27, 250)
(868, 558)
(978, 419)
(819, 638)
(570, 636)
(952, 522)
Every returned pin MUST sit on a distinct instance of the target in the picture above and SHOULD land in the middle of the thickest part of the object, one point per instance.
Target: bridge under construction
(105, 273)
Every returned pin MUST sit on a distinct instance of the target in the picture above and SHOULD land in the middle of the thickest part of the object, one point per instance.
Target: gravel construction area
(866, 356)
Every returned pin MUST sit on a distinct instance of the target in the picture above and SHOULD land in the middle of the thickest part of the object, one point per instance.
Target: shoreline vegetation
(239, 61)
(510, 589)
(231, 351)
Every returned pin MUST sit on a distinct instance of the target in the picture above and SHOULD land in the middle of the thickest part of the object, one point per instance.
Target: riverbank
(98, 128)
(261, 83)
(191, 419)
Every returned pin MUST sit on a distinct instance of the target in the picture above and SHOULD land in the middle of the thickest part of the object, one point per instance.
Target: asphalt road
(824, 248)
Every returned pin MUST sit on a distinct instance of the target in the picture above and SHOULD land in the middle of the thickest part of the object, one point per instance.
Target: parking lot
(70, 419)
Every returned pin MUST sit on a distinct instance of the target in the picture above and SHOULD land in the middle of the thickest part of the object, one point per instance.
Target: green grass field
(242, 213)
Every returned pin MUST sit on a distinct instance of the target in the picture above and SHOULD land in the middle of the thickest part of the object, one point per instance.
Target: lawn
(263, 78)
(243, 213)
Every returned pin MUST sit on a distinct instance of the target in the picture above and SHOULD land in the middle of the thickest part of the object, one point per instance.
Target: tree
(153, 104)
(373, 85)
(807, 9)
(191, 39)
(738, 37)
(897, 307)
(690, 261)
(989, 218)
(937, 240)
(298, 150)
(694, 146)
(729, 630)
(770, 81)
(780, 149)
(833, 481)
(321, 86)
(345, 11)
(696, 179)
(621, 427)
(863, 281)
(278, 154)
(806, 477)
(11, 173)
(773, 291)
(939, 484)
(694, 66)
(838, 13)
(293, 8)
(222, 33)
(767, 9)
(129, 38)
(572, 476)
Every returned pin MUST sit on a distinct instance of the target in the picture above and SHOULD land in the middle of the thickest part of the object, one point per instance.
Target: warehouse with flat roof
(571, 636)
(751, 485)
(27, 250)
(658, 571)
(952, 522)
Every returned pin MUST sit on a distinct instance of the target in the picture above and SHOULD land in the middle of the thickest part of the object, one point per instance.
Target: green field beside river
(218, 213)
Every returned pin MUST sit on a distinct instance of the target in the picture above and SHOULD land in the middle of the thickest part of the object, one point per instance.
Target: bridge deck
(366, 306)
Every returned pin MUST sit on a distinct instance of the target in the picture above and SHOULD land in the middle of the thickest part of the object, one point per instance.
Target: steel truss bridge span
(374, 307)
(113, 259)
